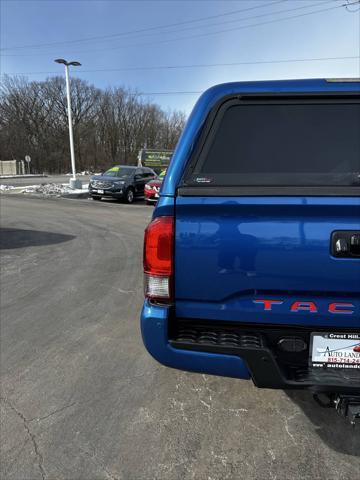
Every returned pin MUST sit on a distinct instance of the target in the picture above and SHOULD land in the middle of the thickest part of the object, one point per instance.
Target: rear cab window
(275, 144)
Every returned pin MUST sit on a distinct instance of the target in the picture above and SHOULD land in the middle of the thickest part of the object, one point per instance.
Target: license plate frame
(334, 350)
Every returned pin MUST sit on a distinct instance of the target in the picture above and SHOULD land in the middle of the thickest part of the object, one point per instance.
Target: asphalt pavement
(82, 400)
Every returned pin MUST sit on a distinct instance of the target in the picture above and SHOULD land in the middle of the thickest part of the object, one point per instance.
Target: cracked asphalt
(82, 400)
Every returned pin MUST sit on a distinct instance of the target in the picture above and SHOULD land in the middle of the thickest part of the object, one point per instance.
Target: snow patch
(54, 189)
(85, 172)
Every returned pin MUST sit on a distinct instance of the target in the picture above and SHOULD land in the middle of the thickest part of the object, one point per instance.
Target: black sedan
(121, 182)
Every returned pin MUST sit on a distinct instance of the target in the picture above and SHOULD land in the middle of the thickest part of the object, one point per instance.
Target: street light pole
(71, 136)
(74, 183)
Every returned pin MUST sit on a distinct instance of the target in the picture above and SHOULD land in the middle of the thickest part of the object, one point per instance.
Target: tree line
(110, 126)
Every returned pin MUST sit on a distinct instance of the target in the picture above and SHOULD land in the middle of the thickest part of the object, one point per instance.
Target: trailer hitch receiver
(348, 406)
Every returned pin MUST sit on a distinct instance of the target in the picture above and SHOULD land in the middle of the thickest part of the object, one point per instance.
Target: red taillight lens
(158, 258)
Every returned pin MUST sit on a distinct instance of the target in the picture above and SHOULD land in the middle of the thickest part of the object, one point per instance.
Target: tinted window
(283, 144)
(147, 173)
(140, 173)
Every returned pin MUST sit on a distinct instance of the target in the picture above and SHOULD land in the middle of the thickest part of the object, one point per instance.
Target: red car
(152, 188)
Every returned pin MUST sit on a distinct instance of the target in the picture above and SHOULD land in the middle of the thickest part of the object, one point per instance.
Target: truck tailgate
(233, 253)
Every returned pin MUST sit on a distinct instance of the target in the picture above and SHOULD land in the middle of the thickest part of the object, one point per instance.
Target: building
(12, 167)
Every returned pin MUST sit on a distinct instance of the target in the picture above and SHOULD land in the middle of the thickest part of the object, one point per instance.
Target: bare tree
(109, 126)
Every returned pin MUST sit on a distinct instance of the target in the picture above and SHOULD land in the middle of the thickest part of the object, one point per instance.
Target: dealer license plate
(335, 350)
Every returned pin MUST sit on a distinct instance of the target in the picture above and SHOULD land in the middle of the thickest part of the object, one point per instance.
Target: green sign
(156, 158)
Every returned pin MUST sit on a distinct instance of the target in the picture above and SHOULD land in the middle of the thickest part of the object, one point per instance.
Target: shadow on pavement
(11, 238)
(137, 200)
(333, 430)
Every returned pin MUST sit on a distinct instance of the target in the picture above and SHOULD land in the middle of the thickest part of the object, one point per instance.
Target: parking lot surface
(82, 399)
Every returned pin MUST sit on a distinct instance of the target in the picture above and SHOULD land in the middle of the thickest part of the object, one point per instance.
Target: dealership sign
(156, 158)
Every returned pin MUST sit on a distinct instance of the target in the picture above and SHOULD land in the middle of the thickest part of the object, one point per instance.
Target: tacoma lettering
(341, 308)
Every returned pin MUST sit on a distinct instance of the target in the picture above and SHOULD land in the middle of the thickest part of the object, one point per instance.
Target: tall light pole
(74, 183)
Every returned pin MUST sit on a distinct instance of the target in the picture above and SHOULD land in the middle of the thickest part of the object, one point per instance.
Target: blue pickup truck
(252, 258)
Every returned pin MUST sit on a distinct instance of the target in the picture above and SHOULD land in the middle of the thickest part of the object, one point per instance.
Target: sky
(134, 43)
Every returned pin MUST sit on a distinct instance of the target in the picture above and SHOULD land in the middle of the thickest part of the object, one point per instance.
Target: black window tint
(283, 144)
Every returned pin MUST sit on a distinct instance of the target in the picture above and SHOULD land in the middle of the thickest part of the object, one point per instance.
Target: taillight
(158, 259)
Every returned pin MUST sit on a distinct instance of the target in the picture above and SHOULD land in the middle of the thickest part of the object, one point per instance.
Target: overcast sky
(148, 34)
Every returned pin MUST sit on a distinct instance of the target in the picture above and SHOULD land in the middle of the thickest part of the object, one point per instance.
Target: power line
(348, 3)
(189, 37)
(106, 37)
(207, 33)
(142, 30)
(242, 19)
(204, 65)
